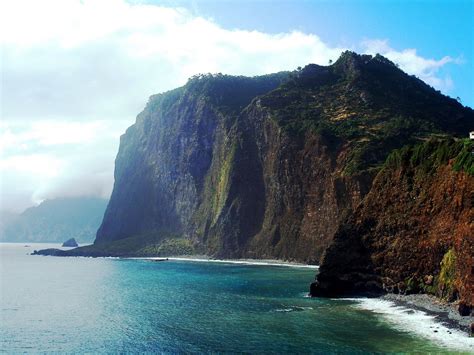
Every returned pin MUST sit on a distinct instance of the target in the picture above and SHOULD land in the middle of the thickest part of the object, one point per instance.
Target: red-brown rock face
(305, 194)
(414, 232)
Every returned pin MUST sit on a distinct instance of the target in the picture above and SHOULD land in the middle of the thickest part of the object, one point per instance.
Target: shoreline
(207, 259)
(423, 315)
(444, 312)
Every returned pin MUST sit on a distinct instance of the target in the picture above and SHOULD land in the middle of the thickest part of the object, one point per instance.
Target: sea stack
(71, 243)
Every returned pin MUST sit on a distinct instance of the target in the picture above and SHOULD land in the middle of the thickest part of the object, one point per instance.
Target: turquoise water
(99, 305)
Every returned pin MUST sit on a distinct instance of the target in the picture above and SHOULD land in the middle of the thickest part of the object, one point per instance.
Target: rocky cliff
(413, 232)
(265, 167)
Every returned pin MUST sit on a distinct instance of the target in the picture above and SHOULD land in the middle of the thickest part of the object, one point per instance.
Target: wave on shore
(418, 322)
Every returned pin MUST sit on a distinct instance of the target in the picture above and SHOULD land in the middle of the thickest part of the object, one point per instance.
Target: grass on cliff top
(367, 102)
(430, 155)
(231, 94)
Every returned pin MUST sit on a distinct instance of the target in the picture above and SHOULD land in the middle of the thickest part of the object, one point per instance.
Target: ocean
(53, 304)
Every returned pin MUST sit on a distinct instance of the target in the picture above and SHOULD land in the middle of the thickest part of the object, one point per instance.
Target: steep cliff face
(287, 194)
(265, 167)
(173, 164)
(414, 231)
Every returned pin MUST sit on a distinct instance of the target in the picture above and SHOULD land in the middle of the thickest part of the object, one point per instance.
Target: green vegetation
(231, 94)
(430, 155)
(445, 281)
(465, 159)
(130, 246)
(366, 103)
(429, 289)
(169, 247)
(417, 285)
(412, 285)
(223, 182)
(135, 246)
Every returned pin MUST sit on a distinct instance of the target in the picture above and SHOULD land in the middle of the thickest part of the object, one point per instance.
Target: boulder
(464, 309)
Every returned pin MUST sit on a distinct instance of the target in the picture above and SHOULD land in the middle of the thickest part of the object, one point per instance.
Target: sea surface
(53, 304)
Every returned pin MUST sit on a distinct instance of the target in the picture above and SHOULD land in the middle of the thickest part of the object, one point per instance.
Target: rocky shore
(446, 313)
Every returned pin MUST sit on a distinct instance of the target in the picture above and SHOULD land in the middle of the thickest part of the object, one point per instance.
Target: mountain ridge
(56, 220)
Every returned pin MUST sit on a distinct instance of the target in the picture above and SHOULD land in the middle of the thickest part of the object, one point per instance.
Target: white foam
(302, 308)
(418, 322)
(293, 309)
(242, 262)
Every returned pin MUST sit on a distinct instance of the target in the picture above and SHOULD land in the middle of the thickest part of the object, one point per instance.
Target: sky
(74, 74)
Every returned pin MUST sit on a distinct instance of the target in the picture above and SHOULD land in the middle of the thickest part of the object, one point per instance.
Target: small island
(71, 243)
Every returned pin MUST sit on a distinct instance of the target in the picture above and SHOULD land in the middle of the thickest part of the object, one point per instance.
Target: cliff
(413, 232)
(265, 167)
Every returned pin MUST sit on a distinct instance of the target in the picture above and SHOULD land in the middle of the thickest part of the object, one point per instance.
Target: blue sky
(435, 28)
(75, 73)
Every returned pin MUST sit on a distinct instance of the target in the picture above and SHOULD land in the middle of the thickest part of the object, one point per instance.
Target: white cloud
(26, 173)
(31, 134)
(75, 73)
(49, 159)
(90, 58)
(411, 62)
(40, 165)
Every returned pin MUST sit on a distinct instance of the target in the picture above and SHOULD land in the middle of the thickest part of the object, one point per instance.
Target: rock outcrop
(70, 243)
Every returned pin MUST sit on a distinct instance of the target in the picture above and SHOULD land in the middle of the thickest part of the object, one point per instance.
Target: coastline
(423, 315)
(208, 259)
(440, 312)
(445, 312)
